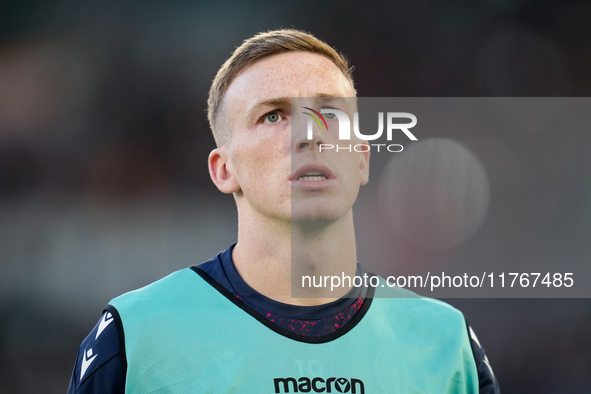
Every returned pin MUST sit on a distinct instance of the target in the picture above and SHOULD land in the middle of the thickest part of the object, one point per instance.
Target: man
(231, 324)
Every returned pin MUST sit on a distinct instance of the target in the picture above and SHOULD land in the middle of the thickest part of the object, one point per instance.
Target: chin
(316, 216)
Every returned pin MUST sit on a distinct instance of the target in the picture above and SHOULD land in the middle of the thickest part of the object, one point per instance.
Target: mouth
(312, 177)
(312, 173)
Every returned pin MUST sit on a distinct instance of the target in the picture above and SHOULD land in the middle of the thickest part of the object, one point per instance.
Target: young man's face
(273, 165)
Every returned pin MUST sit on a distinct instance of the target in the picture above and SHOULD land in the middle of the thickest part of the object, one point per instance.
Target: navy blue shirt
(101, 364)
(314, 321)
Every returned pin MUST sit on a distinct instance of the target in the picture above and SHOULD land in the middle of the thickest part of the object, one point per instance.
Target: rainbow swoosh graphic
(315, 118)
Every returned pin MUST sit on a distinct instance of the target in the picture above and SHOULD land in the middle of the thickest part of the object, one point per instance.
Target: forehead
(291, 74)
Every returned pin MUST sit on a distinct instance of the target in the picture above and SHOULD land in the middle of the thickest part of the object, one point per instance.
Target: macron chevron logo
(486, 362)
(89, 355)
(105, 321)
(86, 361)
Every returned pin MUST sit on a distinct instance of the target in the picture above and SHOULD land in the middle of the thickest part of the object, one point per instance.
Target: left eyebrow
(329, 95)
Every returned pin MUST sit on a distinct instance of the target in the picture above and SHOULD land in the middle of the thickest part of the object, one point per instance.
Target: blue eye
(329, 115)
(272, 117)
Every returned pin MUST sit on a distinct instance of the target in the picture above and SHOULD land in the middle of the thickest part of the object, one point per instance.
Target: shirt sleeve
(100, 364)
(487, 382)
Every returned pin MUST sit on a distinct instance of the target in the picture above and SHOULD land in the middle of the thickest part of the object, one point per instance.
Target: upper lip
(312, 169)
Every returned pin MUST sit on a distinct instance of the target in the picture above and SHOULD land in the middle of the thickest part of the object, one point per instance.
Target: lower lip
(313, 185)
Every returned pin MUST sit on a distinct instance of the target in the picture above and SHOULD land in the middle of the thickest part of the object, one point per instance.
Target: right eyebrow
(272, 102)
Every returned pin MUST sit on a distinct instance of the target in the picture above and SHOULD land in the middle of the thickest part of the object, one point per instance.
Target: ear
(364, 166)
(220, 171)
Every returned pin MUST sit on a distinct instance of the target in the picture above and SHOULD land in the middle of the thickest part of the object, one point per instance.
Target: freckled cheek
(248, 163)
(261, 166)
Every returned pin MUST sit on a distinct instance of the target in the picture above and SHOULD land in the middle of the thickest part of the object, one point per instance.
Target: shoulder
(160, 287)
(403, 300)
(174, 287)
(424, 315)
(100, 364)
(171, 298)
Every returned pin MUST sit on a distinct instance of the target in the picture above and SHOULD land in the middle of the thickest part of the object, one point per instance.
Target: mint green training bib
(182, 335)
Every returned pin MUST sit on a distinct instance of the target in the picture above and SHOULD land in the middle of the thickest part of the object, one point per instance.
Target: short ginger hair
(255, 48)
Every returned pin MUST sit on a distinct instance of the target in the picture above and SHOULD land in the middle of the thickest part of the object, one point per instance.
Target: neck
(273, 256)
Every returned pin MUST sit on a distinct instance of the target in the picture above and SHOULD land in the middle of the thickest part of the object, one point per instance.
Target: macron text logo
(318, 385)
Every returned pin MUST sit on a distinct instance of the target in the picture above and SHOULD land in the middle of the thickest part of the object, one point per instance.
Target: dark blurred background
(104, 141)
